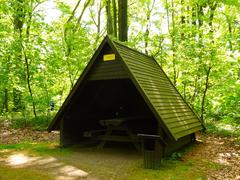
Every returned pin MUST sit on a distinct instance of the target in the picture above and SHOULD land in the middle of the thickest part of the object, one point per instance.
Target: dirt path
(222, 151)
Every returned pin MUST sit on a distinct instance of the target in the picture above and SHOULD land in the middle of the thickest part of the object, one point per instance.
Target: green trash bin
(151, 150)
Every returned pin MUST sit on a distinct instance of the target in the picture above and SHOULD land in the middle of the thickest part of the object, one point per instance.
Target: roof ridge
(120, 43)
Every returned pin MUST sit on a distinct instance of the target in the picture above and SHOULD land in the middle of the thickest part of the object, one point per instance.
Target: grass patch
(14, 146)
(170, 169)
(23, 173)
(43, 148)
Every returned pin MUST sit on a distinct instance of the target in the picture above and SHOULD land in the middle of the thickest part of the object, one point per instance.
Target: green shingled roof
(164, 98)
(173, 113)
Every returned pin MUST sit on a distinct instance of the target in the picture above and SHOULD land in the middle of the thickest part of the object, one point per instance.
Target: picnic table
(113, 127)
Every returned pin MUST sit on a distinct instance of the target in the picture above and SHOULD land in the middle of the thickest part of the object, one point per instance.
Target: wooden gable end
(108, 65)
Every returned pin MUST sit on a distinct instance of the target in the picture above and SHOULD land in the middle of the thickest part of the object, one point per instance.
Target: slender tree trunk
(114, 18)
(229, 32)
(5, 101)
(182, 20)
(200, 16)
(28, 81)
(205, 94)
(82, 12)
(28, 23)
(173, 46)
(198, 11)
(67, 33)
(97, 22)
(99, 18)
(167, 11)
(195, 91)
(172, 35)
(109, 18)
(146, 34)
(122, 20)
(213, 6)
(22, 9)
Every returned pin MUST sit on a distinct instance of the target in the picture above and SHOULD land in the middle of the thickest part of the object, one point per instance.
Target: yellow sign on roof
(108, 57)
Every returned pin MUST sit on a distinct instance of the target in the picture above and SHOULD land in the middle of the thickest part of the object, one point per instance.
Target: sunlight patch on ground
(71, 172)
(59, 169)
(224, 158)
(20, 159)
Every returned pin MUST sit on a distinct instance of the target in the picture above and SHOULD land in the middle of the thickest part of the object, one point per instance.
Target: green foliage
(186, 38)
(37, 123)
(40, 122)
(20, 123)
(223, 129)
(179, 154)
(176, 156)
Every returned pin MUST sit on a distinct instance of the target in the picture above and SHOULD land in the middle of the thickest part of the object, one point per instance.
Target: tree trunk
(28, 81)
(17, 99)
(22, 9)
(122, 20)
(67, 44)
(213, 6)
(28, 23)
(114, 18)
(182, 20)
(173, 46)
(167, 11)
(5, 101)
(195, 91)
(229, 23)
(205, 94)
(109, 18)
(99, 18)
(83, 10)
(146, 34)
(172, 35)
(19, 15)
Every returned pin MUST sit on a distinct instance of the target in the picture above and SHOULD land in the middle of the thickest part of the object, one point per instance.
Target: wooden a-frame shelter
(121, 87)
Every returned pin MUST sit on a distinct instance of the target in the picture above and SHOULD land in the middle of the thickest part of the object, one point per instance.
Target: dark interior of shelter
(111, 110)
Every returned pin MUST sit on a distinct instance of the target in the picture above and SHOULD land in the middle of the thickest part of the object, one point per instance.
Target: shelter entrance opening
(110, 111)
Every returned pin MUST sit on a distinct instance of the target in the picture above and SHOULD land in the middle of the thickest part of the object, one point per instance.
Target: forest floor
(29, 154)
